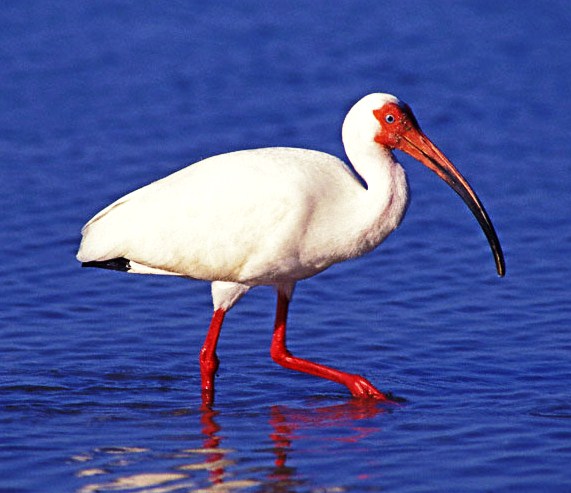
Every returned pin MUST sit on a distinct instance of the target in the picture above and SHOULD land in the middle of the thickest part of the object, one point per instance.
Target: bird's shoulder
(268, 158)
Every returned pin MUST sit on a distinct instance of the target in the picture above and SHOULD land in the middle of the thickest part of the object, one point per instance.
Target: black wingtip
(119, 263)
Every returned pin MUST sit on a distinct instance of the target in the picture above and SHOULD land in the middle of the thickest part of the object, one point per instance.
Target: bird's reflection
(290, 424)
(214, 467)
(210, 429)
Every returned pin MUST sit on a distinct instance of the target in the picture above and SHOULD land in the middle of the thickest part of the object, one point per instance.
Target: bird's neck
(373, 164)
(383, 204)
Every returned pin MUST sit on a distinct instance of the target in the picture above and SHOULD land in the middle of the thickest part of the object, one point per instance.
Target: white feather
(262, 216)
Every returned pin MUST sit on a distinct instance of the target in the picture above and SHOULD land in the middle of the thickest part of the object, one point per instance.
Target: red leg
(358, 386)
(208, 360)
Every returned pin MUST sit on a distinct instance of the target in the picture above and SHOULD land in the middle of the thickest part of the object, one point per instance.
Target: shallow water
(100, 382)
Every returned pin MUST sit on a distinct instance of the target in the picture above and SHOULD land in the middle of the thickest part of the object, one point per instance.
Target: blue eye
(389, 119)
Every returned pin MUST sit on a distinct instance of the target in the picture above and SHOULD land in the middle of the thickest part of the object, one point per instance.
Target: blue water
(99, 378)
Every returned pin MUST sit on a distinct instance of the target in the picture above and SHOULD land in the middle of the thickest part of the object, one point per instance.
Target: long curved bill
(419, 146)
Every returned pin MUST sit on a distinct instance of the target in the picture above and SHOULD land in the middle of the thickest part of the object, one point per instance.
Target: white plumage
(274, 216)
(263, 216)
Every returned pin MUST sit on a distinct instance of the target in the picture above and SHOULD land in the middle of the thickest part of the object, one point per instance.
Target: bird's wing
(237, 217)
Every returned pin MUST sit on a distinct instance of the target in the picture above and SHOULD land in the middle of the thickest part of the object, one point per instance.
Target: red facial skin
(403, 122)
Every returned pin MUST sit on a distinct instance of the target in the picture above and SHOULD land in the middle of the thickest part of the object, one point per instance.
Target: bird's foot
(361, 388)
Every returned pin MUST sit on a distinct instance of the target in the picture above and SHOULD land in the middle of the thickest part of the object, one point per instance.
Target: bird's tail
(120, 263)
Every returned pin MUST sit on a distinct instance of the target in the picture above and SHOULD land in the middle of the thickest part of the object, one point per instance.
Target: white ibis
(274, 216)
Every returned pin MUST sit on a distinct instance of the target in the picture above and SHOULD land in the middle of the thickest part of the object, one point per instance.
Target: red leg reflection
(282, 438)
(358, 386)
(291, 424)
(208, 360)
(216, 457)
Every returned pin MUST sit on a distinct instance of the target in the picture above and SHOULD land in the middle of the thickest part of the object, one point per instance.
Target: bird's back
(245, 216)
